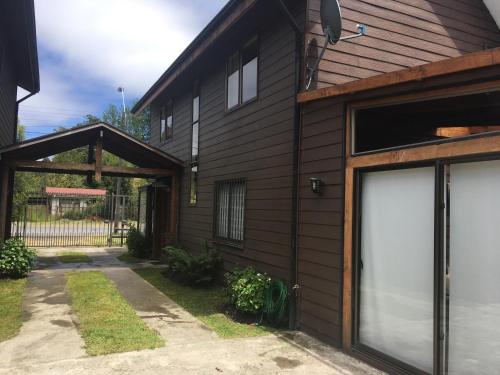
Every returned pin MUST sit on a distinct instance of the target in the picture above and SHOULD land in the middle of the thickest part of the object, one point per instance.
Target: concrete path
(49, 342)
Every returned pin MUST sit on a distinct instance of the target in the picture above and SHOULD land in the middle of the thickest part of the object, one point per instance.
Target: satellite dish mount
(331, 21)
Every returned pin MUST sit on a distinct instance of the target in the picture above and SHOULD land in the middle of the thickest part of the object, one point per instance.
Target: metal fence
(44, 220)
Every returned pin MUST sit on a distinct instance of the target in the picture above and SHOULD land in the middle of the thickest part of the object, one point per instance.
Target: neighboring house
(64, 200)
(18, 68)
(229, 107)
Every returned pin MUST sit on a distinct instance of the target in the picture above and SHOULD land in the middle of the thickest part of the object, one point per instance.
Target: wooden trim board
(475, 60)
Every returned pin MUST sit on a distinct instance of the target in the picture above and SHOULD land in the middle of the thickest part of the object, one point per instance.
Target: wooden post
(98, 159)
(4, 198)
(90, 160)
(174, 202)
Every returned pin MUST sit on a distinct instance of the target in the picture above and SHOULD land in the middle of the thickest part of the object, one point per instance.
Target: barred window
(230, 210)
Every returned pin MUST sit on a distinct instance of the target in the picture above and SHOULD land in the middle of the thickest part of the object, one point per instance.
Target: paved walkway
(49, 342)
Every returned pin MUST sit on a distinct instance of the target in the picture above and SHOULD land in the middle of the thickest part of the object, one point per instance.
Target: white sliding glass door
(396, 273)
(473, 278)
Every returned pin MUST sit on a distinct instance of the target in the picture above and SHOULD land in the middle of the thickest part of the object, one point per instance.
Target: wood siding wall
(254, 142)
(8, 92)
(321, 217)
(401, 34)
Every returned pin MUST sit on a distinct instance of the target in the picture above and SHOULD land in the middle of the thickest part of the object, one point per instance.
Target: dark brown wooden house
(234, 108)
(18, 68)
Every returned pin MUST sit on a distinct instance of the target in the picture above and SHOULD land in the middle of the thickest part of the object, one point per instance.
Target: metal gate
(43, 220)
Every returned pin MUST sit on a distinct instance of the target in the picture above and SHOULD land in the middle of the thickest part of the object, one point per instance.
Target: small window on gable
(242, 75)
(166, 122)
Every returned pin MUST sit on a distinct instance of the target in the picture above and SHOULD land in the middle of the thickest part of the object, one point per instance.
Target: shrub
(246, 289)
(137, 243)
(194, 270)
(16, 259)
(74, 215)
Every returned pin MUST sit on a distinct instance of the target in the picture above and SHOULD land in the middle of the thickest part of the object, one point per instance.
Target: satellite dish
(331, 20)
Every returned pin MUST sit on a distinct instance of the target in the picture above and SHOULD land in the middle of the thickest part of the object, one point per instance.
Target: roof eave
(158, 86)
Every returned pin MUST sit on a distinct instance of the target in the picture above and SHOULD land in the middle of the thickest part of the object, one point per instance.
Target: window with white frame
(242, 75)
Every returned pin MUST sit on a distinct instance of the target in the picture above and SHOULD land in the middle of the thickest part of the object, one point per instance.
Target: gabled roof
(18, 21)
(223, 21)
(114, 140)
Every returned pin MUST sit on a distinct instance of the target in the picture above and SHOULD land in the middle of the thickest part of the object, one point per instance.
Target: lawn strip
(73, 257)
(128, 258)
(11, 293)
(206, 304)
(107, 323)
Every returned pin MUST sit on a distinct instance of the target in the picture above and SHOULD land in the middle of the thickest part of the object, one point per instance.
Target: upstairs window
(230, 211)
(242, 75)
(195, 133)
(167, 122)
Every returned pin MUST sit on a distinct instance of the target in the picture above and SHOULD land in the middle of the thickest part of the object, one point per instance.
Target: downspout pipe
(294, 287)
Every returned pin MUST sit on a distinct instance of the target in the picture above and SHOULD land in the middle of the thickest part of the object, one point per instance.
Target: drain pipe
(294, 277)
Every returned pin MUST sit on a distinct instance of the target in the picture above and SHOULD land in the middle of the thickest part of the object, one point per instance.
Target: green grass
(73, 257)
(205, 304)
(11, 292)
(107, 323)
(129, 258)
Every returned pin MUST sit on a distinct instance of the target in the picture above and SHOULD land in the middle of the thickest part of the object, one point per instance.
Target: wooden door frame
(485, 144)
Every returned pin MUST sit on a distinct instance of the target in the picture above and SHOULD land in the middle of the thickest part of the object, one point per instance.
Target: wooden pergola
(33, 156)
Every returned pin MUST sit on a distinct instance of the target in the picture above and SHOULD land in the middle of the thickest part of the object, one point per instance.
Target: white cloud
(57, 103)
(121, 42)
(88, 48)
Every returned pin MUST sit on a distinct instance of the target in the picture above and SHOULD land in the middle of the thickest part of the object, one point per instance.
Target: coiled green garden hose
(275, 303)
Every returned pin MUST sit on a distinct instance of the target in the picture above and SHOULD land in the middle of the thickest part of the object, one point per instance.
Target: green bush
(246, 289)
(16, 259)
(74, 215)
(194, 270)
(138, 245)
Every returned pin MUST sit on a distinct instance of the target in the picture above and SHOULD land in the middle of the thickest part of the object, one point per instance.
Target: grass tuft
(11, 293)
(107, 323)
(206, 304)
(73, 257)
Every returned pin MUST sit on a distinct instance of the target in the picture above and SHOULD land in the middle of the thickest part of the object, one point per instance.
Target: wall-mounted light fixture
(316, 184)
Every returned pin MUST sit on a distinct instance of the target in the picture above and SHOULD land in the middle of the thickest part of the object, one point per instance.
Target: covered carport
(148, 162)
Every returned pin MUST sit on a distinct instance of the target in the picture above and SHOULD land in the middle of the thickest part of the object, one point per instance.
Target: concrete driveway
(49, 342)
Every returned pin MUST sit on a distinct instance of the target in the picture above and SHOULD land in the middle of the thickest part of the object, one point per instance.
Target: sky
(88, 48)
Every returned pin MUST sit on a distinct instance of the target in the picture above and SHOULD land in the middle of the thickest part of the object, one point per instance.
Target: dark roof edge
(152, 92)
(30, 24)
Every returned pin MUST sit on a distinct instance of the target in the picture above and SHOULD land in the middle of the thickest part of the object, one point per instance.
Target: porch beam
(84, 168)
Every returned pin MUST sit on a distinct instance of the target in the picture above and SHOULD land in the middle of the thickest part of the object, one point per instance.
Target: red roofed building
(75, 191)
(63, 200)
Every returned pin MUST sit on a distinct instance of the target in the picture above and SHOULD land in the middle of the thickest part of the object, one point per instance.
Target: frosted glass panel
(397, 252)
(474, 273)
